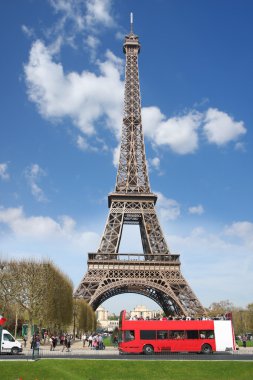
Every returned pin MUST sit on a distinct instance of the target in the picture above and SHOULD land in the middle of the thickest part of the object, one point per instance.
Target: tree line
(242, 317)
(40, 294)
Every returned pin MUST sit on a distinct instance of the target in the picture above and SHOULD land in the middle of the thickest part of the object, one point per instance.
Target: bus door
(129, 340)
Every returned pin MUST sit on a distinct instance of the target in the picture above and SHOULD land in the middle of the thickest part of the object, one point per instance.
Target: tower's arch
(154, 290)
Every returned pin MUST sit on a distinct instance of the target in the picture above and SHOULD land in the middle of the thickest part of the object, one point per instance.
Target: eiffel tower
(155, 273)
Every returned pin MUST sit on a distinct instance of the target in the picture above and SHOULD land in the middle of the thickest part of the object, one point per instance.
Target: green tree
(220, 308)
(39, 289)
(7, 291)
(250, 318)
(86, 317)
(58, 301)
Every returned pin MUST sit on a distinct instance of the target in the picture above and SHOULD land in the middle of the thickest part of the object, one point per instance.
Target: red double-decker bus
(149, 336)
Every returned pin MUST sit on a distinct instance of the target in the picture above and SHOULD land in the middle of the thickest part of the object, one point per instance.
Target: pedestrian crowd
(92, 340)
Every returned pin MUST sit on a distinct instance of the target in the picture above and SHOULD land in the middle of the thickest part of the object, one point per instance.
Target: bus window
(129, 335)
(176, 334)
(210, 334)
(192, 334)
(206, 334)
(148, 334)
(162, 334)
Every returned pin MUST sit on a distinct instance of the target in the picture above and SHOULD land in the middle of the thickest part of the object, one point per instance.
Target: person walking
(25, 340)
(90, 341)
(37, 342)
(68, 343)
(115, 340)
(54, 342)
(94, 342)
(33, 341)
(51, 343)
(84, 337)
(65, 343)
(100, 342)
(45, 337)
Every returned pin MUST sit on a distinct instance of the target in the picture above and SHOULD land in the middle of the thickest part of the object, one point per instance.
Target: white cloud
(98, 12)
(84, 18)
(84, 98)
(242, 230)
(85, 145)
(179, 133)
(120, 35)
(43, 237)
(92, 42)
(33, 175)
(196, 210)
(169, 209)
(82, 143)
(220, 128)
(151, 119)
(155, 163)
(68, 224)
(212, 261)
(43, 227)
(21, 225)
(116, 154)
(240, 146)
(4, 175)
(29, 32)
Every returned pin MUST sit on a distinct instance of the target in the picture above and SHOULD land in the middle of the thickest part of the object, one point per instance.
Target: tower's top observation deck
(131, 40)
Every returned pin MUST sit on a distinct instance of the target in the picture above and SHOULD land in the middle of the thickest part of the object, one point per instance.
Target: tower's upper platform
(131, 40)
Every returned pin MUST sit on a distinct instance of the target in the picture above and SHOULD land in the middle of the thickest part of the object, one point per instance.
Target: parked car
(9, 344)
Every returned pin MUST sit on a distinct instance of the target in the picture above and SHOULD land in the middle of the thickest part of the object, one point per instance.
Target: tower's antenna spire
(131, 23)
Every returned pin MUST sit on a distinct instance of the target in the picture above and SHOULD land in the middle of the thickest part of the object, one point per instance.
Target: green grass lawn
(120, 370)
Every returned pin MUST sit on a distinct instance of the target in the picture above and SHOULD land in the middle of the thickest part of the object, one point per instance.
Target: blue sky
(62, 82)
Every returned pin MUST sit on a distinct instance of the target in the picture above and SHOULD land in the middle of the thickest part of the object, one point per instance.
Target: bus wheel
(206, 349)
(148, 349)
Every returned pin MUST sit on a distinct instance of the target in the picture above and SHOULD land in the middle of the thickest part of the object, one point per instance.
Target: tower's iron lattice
(155, 273)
